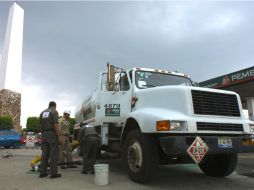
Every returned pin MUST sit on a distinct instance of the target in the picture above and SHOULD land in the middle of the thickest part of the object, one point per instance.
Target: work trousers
(49, 151)
(65, 149)
(90, 148)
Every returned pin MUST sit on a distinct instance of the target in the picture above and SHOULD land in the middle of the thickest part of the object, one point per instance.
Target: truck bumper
(178, 145)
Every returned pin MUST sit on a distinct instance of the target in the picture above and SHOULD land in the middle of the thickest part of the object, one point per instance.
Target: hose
(74, 145)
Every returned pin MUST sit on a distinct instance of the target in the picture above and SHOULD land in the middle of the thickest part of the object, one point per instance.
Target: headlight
(175, 126)
(178, 126)
(251, 128)
(171, 125)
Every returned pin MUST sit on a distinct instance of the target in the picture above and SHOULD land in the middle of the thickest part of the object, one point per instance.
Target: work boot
(71, 166)
(63, 167)
(92, 170)
(55, 176)
(84, 172)
(43, 175)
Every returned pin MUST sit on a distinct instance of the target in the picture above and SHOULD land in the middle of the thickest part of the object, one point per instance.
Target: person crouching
(90, 142)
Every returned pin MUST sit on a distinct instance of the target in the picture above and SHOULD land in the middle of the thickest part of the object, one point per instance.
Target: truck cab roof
(160, 71)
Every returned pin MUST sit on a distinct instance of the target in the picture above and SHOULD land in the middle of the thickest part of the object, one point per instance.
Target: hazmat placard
(30, 141)
(198, 149)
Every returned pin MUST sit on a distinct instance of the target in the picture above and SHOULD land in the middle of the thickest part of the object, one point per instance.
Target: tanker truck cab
(114, 104)
(152, 117)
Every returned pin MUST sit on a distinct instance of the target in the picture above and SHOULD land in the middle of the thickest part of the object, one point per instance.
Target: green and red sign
(230, 79)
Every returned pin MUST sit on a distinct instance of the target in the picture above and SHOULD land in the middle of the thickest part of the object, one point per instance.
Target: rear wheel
(219, 165)
(140, 156)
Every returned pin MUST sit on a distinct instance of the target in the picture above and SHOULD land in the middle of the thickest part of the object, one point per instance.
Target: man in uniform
(50, 141)
(90, 142)
(65, 147)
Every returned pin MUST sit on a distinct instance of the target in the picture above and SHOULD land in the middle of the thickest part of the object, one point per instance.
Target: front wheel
(219, 165)
(140, 156)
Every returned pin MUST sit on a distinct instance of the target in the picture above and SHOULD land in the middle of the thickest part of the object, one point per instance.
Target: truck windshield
(148, 79)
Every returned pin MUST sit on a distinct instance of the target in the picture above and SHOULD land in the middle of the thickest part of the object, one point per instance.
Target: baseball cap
(67, 111)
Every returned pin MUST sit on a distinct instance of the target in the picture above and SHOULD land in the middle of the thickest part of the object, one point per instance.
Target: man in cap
(50, 141)
(65, 146)
(90, 141)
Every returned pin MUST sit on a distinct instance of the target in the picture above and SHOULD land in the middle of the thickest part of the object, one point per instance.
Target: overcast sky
(67, 44)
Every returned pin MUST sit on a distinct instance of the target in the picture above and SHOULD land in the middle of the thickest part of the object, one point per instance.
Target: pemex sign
(230, 79)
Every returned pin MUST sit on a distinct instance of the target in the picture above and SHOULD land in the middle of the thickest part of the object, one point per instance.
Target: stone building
(10, 105)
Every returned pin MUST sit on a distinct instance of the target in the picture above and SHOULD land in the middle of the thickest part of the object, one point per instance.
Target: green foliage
(33, 124)
(6, 122)
(72, 123)
(24, 130)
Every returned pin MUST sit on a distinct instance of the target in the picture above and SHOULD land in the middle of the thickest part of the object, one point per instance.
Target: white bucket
(101, 174)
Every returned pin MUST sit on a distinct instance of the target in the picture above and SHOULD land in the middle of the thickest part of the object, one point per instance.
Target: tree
(24, 130)
(6, 122)
(72, 122)
(33, 124)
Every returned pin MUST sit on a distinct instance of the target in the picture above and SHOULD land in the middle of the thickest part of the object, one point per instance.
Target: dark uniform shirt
(48, 118)
(86, 131)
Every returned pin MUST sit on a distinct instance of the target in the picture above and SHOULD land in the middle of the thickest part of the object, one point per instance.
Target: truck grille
(201, 126)
(212, 103)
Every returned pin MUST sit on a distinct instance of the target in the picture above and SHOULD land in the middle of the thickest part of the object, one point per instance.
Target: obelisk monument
(11, 66)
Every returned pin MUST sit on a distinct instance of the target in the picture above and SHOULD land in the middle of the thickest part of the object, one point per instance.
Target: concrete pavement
(15, 175)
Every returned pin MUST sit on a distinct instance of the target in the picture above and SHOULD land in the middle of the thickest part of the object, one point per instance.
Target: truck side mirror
(195, 83)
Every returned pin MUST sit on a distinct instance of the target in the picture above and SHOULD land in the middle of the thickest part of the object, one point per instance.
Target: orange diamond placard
(198, 149)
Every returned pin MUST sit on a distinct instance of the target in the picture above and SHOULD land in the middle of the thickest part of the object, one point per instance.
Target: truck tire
(140, 156)
(219, 165)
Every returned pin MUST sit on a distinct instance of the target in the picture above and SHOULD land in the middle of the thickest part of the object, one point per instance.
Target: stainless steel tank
(87, 109)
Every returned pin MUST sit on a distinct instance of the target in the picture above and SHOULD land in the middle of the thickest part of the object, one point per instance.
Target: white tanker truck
(153, 117)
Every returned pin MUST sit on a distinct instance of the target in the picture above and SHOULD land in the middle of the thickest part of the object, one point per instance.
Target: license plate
(224, 142)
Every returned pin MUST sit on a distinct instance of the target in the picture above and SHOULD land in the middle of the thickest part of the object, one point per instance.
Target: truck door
(114, 106)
